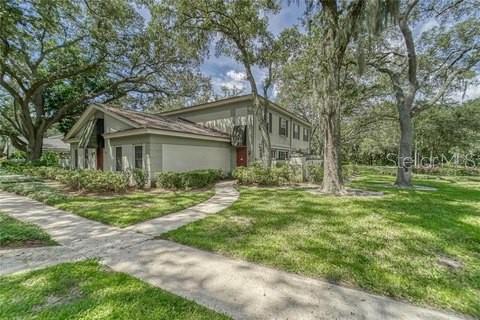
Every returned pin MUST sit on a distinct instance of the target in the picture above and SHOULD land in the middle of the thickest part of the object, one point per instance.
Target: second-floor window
(270, 122)
(306, 134)
(296, 131)
(283, 127)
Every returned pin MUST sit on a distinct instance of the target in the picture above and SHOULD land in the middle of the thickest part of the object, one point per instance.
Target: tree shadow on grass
(388, 245)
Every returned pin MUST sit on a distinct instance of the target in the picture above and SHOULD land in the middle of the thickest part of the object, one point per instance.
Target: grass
(129, 209)
(16, 234)
(118, 210)
(85, 290)
(387, 245)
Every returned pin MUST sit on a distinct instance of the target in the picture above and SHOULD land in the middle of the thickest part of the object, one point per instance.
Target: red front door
(241, 156)
(99, 158)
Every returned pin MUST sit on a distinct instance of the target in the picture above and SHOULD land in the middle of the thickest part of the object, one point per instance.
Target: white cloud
(236, 76)
(232, 79)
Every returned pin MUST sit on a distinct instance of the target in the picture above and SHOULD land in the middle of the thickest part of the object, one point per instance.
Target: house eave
(97, 107)
(140, 131)
(228, 101)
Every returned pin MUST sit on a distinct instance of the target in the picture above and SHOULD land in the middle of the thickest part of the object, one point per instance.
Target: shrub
(314, 173)
(140, 177)
(18, 155)
(380, 170)
(49, 159)
(96, 181)
(87, 180)
(169, 180)
(14, 166)
(257, 174)
(188, 180)
(448, 171)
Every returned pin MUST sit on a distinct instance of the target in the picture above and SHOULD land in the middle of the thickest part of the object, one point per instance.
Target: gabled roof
(55, 143)
(232, 100)
(142, 120)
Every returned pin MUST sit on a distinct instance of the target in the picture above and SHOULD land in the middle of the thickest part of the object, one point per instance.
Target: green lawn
(15, 234)
(389, 245)
(85, 290)
(119, 210)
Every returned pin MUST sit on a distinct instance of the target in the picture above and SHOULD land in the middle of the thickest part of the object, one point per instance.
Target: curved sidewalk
(242, 290)
(225, 195)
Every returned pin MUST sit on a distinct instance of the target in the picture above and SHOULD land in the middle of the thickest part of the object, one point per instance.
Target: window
(269, 124)
(282, 155)
(279, 154)
(118, 159)
(85, 159)
(296, 131)
(76, 159)
(283, 127)
(306, 134)
(138, 157)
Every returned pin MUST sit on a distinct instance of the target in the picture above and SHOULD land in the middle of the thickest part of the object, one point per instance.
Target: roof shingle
(154, 121)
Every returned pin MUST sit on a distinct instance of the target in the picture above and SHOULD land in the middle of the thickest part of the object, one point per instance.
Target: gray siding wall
(278, 141)
(164, 153)
(224, 118)
(128, 151)
(113, 125)
(184, 154)
(221, 118)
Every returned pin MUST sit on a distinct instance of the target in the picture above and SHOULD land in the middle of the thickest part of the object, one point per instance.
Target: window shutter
(286, 130)
(270, 122)
(280, 125)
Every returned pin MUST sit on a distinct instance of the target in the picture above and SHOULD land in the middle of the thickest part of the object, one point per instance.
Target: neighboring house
(56, 144)
(221, 134)
(53, 143)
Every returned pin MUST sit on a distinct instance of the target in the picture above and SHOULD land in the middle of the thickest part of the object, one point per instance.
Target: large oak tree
(332, 26)
(426, 69)
(239, 30)
(58, 56)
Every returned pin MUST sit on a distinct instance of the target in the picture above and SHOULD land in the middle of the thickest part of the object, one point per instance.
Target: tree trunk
(405, 161)
(267, 147)
(332, 178)
(35, 145)
(260, 110)
(34, 150)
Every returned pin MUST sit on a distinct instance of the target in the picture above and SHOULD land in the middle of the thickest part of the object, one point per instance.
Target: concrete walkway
(240, 289)
(225, 195)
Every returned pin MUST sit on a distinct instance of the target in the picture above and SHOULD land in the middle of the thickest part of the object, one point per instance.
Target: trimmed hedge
(259, 175)
(86, 180)
(448, 171)
(188, 180)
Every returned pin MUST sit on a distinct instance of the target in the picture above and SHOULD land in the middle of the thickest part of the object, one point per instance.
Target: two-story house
(288, 132)
(222, 134)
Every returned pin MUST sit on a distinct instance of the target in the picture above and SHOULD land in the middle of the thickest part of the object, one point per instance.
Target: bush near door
(188, 180)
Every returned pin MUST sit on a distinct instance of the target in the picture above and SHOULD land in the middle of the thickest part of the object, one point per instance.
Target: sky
(225, 71)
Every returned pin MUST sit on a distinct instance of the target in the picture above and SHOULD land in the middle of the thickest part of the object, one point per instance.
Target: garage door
(186, 158)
